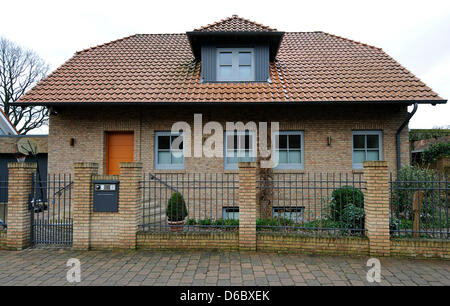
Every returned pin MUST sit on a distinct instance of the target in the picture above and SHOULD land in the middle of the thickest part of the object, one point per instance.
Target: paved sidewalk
(48, 267)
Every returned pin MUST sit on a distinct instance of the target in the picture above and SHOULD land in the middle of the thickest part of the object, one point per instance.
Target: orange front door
(119, 148)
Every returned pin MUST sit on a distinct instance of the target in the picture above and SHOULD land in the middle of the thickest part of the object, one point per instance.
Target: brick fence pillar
(247, 205)
(19, 189)
(130, 207)
(82, 203)
(376, 206)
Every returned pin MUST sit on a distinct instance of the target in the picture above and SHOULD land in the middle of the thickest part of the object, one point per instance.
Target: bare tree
(20, 69)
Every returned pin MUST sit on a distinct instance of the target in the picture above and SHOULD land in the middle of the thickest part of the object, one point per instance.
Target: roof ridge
(231, 18)
(349, 40)
(107, 43)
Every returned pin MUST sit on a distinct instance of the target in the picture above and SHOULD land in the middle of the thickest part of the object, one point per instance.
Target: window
(235, 64)
(239, 146)
(167, 156)
(289, 147)
(295, 214)
(367, 145)
(230, 213)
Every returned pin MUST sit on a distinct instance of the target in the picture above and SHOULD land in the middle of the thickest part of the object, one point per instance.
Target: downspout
(397, 135)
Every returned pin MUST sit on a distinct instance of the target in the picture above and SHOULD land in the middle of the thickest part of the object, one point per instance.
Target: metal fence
(420, 205)
(312, 203)
(3, 202)
(190, 202)
(51, 210)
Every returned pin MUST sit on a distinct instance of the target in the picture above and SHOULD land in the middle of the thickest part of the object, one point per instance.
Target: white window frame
(235, 166)
(235, 64)
(293, 166)
(160, 166)
(380, 146)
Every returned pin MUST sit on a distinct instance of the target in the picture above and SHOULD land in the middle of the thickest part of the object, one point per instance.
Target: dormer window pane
(245, 58)
(225, 72)
(226, 58)
(245, 72)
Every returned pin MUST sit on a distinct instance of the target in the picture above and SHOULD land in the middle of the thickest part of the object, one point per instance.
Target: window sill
(301, 171)
(174, 171)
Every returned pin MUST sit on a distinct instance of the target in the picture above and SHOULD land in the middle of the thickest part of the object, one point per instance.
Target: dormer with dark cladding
(227, 41)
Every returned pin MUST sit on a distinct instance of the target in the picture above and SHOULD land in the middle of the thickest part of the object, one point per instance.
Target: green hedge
(435, 151)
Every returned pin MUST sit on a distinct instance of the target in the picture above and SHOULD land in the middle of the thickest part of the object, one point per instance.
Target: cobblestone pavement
(48, 267)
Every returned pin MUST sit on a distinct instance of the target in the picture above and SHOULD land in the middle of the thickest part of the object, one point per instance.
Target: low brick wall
(312, 245)
(3, 240)
(188, 241)
(420, 248)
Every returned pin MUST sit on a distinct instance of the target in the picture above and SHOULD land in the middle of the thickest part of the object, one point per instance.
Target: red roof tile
(310, 66)
(235, 24)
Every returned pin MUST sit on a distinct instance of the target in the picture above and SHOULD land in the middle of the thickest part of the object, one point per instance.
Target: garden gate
(51, 210)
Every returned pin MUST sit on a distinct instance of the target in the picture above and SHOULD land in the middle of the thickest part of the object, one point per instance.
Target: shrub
(396, 224)
(347, 207)
(320, 223)
(191, 222)
(409, 180)
(205, 222)
(176, 208)
(273, 222)
(226, 222)
(435, 151)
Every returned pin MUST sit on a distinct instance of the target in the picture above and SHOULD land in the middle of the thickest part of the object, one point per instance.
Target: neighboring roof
(160, 68)
(6, 124)
(423, 144)
(235, 24)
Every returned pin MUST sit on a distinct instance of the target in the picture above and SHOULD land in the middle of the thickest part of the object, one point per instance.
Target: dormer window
(235, 64)
(235, 50)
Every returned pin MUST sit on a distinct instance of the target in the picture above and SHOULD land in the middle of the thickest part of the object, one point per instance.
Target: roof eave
(403, 102)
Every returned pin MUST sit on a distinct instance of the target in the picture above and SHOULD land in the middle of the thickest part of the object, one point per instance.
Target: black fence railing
(420, 205)
(312, 204)
(51, 209)
(3, 203)
(173, 202)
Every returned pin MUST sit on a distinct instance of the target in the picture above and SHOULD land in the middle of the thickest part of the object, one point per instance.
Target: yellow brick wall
(87, 125)
(3, 235)
(420, 248)
(8, 144)
(312, 245)
(188, 241)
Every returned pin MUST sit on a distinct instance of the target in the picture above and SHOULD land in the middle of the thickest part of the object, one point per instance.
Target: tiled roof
(235, 24)
(423, 144)
(310, 66)
(6, 118)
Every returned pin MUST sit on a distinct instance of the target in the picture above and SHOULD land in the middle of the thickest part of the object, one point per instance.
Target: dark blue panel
(209, 63)
(261, 63)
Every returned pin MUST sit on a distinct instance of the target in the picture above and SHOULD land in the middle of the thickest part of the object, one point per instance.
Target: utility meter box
(106, 196)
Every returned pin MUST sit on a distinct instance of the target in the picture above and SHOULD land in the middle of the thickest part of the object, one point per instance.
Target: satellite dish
(27, 146)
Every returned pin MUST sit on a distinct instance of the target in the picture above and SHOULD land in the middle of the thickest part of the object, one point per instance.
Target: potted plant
(176, 212)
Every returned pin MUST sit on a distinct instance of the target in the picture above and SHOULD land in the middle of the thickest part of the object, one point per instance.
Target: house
(338, 102)
(6, 126)
(9, 137)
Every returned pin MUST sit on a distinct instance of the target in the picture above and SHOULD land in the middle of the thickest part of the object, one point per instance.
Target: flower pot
(175, 226)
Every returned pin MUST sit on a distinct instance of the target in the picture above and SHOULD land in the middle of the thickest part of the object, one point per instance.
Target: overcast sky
(415, 33)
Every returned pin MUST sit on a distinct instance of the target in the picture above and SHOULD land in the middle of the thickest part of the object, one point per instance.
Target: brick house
(338, 102)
